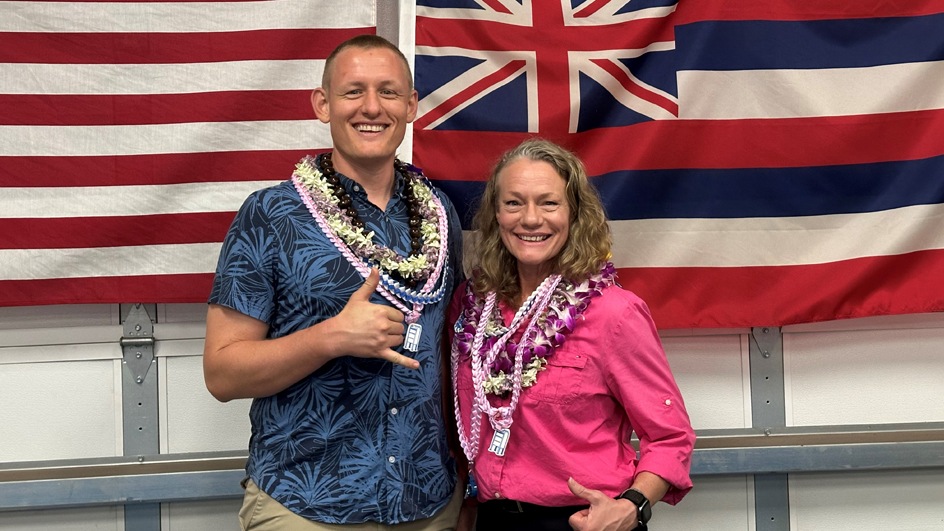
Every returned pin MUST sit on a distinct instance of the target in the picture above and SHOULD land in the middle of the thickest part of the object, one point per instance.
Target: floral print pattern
(359, 439)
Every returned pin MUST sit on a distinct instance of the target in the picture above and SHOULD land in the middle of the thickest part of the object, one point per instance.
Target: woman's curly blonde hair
(588, 242)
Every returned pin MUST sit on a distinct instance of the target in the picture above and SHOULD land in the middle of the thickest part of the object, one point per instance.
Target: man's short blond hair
(364, 42)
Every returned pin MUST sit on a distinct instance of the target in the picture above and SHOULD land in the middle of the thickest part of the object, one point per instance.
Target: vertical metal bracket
(139, 403)
(137, 343)
(771, 502)
(139, 384)
(768, 410)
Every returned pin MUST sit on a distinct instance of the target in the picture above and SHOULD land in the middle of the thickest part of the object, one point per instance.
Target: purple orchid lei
(567, 305)
(362, 244)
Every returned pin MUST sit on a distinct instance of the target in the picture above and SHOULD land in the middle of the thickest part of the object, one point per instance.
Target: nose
(370, 105)
(531, 217)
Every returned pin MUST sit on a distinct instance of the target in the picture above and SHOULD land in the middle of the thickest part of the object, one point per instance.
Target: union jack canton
(550, 67)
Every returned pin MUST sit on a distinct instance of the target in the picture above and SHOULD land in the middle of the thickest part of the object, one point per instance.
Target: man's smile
(370, 128)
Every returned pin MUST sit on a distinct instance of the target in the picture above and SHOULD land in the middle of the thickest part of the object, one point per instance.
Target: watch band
(643, 507)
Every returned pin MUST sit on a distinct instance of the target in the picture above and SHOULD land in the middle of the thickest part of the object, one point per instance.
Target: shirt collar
(354, 189)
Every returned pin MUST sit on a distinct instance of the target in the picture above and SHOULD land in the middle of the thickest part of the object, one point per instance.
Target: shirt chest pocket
(561, 380)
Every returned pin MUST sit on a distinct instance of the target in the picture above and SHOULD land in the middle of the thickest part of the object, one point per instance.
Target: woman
(554, 365)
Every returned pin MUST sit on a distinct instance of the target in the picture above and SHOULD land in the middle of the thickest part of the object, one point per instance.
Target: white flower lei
(414, 266)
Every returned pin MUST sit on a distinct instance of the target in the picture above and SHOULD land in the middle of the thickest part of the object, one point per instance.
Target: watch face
(646, 509)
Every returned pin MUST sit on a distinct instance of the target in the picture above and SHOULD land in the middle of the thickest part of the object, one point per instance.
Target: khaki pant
(262, 513)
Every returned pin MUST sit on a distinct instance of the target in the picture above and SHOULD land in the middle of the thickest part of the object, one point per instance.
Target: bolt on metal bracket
(137, 343)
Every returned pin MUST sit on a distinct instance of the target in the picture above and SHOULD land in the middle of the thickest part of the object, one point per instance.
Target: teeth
(534, 238)
(370, 128)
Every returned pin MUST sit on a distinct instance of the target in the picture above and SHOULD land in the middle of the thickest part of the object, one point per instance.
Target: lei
(360, 249)
(498, 364)
(566, 306)
(362, 244)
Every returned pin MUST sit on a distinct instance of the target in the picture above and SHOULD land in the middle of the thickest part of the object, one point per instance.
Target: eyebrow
(386, 84)
(519, 195)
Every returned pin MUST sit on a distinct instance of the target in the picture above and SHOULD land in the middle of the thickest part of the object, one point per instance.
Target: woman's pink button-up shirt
(609, 378)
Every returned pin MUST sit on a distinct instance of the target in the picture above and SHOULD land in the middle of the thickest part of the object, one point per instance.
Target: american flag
(130, 132)
(763, 163)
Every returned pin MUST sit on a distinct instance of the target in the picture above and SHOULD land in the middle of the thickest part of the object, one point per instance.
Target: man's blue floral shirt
(359, 439)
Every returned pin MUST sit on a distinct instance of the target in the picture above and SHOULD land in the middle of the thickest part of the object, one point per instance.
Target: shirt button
(497, 495)
(393, 411)
(668, 402)
(357, 188)
(392, 459)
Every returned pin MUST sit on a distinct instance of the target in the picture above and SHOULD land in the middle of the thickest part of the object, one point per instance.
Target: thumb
(577, 488)
(581, 491)
(364, 292)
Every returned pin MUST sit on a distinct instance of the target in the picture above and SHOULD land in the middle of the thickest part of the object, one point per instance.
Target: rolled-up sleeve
(639, 376)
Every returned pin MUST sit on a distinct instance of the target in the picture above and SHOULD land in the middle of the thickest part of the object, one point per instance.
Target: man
(347, 422)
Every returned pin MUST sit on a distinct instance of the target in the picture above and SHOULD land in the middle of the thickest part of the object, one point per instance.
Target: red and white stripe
(130, 132)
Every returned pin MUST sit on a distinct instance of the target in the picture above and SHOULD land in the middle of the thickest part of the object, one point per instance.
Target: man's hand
(239, 361)
(604, 514)
(372, 329)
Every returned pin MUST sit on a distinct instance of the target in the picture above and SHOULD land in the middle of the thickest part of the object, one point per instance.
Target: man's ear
(319, 102)
(412, 107)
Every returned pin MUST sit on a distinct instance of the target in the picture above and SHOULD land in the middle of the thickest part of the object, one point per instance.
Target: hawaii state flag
(131, 132)
(763, 163)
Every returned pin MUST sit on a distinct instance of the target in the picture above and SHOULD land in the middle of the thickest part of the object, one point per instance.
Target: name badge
(499, 442)
(412, 340)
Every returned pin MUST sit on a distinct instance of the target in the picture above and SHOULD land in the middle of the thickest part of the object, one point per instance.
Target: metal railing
(216, 475)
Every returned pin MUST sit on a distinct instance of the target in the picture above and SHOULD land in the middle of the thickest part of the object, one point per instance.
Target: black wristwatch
(643, 508)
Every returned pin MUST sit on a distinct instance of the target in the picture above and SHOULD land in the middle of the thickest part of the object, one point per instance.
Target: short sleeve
(639, 376)
(245, 273)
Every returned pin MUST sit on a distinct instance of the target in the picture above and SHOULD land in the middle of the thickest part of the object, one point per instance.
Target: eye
(550, 205)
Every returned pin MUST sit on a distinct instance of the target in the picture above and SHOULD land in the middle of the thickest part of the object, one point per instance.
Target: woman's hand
(604, 514)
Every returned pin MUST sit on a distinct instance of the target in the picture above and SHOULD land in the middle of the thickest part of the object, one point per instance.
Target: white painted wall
(713, 372)
(850, 376)
(93, 519)
(59, 410)
(191, 419)
(219, 515)
(912, 500)
(715, 503)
